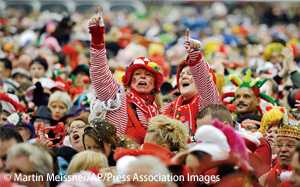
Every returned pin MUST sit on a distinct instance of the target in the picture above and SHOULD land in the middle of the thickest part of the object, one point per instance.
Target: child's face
(37, 71)
(58, 109)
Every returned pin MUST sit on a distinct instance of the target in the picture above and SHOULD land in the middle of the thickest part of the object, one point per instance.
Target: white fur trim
(285, 176)
(100, 108)
(253, 137)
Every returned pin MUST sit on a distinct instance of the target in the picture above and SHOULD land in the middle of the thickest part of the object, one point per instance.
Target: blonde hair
(40, 159)
(273, 117)
(86, 160)
(169, 132)
(64, 97)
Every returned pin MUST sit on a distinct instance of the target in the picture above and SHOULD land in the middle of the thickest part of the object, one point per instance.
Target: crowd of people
(190, 96)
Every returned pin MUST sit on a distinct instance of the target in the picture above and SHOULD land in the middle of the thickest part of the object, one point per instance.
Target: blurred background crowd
(45, 90)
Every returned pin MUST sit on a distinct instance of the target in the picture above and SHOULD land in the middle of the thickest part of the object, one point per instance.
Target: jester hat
(147, 64)
(273, 117)
(247, 82)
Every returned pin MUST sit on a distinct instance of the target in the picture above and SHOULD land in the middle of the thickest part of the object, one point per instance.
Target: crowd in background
(246, 130)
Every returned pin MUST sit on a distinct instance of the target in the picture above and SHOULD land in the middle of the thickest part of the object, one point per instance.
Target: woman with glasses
(76, 126)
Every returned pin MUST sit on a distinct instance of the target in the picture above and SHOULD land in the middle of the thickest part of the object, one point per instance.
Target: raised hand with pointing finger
(96, 28)
(192, 47)
(112, 102)
(189, 43)
(195, 85)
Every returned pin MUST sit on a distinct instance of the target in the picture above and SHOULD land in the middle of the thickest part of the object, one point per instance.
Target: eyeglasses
(71, 129)
(280, 145)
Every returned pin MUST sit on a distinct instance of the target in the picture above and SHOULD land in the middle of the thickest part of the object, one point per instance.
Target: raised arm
(101, 77)
(200, 70)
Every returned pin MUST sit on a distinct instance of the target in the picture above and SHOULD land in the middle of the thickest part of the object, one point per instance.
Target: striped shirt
(205, 86)
(106, 88)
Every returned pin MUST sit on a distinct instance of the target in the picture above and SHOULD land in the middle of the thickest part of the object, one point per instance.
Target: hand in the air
(192, 47)
(96, 28)
(97, 19)
(191, 44)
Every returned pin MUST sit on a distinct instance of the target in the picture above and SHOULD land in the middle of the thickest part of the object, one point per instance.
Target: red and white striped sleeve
(110, 102)
(101, 76)
(205, 85)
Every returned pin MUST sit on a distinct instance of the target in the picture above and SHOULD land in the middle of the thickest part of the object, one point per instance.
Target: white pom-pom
(13, 118)
(285, 176)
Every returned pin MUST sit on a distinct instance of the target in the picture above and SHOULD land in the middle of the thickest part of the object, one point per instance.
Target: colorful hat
(289, 131)
(20, 119)
(255, 85)
(271, 48)
(270, 118)
(235, 141)
(145, 63)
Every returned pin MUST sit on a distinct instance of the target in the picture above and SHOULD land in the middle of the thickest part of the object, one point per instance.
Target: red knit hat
(145, 63)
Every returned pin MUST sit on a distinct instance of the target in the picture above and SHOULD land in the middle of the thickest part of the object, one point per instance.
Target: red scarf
(273, 176)
(144, 102)
(186, 113)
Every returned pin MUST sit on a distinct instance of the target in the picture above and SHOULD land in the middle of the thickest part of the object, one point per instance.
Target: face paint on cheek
(134, 80)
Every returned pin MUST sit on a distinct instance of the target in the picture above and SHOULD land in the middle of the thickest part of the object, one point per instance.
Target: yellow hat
(211, 47)
(289, 131)
(273, 117)
(271, 48)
